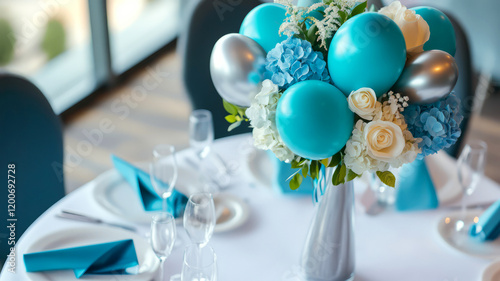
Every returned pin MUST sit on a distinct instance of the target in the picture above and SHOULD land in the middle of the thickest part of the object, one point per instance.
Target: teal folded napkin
(415, 190)
(106, 258)
(488, 225)
(141, 183)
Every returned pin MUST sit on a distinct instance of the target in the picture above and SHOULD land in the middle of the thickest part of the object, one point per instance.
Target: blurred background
(135, 65)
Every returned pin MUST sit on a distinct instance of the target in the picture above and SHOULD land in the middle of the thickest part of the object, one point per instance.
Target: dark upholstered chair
(207, 21)
(31, 139)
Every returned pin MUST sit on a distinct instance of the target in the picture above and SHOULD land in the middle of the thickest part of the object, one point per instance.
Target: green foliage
(54, 39)
(7, 42)
(387, 178)
(359, 9)
(296, 181)
(311, 34)
(236, 115)
(339, 174)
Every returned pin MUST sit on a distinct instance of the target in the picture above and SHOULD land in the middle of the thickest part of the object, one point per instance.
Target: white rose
(415, 29)
(363, 102)
(384, 140)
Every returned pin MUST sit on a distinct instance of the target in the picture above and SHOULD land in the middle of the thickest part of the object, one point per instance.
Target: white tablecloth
(389, 246)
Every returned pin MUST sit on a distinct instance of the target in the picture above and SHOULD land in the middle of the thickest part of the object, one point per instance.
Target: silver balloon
(427, 77)
(236, 67)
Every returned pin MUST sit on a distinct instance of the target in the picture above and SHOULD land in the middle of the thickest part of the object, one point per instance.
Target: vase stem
(328, 254)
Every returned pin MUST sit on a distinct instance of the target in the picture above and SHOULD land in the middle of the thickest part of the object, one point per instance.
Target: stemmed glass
(199, 265)
(470, 170)
(201, 138)
(164, 171)
(163, 233)
(199, 218)
(201, 132)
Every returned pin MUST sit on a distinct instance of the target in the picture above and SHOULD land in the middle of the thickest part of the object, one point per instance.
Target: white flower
(268, 94)
(283, 153)
(263, 138)
(258, 116)
(262, 113)
(384, 140)
(415, 29)
(363, 103)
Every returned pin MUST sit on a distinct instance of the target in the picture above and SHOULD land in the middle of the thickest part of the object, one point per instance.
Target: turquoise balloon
(367, 51)
(262, 24)
(442, 31)
(314, 119)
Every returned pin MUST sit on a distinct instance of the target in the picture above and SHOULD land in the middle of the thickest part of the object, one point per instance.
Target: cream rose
(384, 140)
(363, 103)
(415, 29)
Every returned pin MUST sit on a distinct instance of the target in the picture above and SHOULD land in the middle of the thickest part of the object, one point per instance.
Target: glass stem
(198, 258)
(464, 206)
(164, 204)
(162, 268)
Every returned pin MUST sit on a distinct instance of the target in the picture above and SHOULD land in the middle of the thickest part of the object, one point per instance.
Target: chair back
(207, 22)
(31, 154)
(464, 89)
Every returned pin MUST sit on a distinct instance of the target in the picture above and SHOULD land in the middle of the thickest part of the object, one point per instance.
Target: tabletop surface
(389, 246)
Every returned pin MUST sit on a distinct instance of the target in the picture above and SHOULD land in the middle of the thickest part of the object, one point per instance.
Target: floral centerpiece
(390, 129)
(338, 91)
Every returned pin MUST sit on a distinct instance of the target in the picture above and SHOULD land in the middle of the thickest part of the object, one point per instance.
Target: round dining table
(389, 246)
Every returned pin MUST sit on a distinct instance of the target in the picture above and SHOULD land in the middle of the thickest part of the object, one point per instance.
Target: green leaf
(351, 175)
(230, 108)
(343, 16)
(311, 33)
(387, 178)
(360, 8)
(241, 111)
(314, 169)
(231, 118)
(296, 181)
(324, 162)
(305, 170)
(339, 175)
(233, 126)
(335, 160)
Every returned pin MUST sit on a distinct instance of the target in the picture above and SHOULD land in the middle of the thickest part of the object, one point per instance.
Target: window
(138, 28)
(69, 48)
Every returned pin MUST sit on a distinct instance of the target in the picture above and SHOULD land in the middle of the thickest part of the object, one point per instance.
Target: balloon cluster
(368, 50)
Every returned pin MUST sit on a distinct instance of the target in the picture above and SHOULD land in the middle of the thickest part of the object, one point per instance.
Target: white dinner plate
(467, 245)
(492, 272)
(81, 236)
(116, 196)
(235, 214)
(260, 166)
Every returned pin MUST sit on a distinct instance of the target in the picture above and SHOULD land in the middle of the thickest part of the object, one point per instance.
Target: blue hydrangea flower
(437, 124)
(294, 60)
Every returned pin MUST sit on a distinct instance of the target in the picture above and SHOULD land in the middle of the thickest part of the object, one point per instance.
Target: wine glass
(201, 137)
(163, 233)
(199, 218)
(164, 171)
(201, 132)
(199, 265)
(470, 170)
